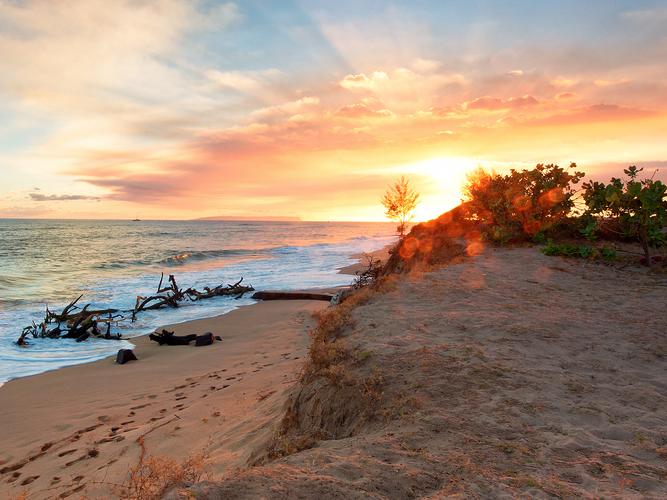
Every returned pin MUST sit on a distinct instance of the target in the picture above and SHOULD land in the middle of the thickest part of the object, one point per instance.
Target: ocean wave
(12, 281)
(177, 258)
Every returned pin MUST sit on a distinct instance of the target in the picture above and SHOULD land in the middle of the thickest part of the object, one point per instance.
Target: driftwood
(166, 337)
(82, 323)
(370, 274)
(171, 295)
(292, 296)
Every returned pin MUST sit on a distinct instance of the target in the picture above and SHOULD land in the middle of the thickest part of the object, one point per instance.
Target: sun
(440, 182)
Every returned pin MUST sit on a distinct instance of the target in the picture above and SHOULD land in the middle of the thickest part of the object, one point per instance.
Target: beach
(506, 373)
(75, 429)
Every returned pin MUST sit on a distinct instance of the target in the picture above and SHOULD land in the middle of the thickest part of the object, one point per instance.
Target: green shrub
(521, 204)
(582, 251)
(632, 209)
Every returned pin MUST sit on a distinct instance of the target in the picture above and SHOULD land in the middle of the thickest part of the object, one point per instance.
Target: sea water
(51, 262)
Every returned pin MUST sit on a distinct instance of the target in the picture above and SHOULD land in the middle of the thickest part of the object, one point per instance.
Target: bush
(153, 476)
(583, 251)
(632, 209)
(523, 203)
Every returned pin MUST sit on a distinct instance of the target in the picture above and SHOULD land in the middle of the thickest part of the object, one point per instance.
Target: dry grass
(331, 358)
(153, 475)
(328, 351)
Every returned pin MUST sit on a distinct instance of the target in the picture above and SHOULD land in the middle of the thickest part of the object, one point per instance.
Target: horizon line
(198, 220)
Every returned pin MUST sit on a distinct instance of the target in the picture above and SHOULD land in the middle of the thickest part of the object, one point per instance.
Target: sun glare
(440, 181)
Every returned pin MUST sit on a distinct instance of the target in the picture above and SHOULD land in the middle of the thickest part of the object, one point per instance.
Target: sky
(178, 109)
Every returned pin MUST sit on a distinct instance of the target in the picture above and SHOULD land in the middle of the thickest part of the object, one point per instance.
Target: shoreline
(348, 270)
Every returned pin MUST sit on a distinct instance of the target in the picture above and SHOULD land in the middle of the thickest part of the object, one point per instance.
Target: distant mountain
(253, 218)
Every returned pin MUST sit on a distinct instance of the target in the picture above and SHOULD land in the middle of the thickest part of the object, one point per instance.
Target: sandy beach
(73, 431)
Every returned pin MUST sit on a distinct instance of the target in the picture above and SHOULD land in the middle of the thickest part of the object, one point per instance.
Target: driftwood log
(80, 324)
(291, 296)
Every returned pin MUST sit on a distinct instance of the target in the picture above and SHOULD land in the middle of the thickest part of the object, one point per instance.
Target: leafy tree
(523, 203)
(400, 200)
(638, 208)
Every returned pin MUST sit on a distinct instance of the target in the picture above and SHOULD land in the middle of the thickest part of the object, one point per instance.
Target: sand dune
(510, 373)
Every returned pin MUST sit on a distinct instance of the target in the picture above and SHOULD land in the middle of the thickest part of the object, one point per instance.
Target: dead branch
(80, 324)
(368, 275)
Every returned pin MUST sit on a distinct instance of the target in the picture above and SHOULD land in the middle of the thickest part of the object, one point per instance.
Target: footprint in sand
(103, 418)
(65, 453)
(177, 388)
(223, 387)
(55, 479)
(140, 406)
(36, 456)
(155, 419)
(125, 423)
(152, 396)
(106, 464)
(71, 492)
(28, 480)
(92, 453)
(181, 398)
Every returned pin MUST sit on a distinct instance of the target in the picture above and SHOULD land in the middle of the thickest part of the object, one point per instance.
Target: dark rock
(125, 355)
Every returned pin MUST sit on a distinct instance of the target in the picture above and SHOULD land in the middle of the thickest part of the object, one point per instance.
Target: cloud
(297, 108)
(362, 110)
(244, 81)
(565, 96)
(592, 114)
(426, 65)
(656, 15)
(363, 82)
(62, 197)
(489, 103)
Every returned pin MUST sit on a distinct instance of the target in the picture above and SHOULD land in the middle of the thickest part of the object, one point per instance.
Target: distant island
(253, 218)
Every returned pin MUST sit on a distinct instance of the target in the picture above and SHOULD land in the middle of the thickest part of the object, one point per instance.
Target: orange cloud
(361, 110)
(494, 103)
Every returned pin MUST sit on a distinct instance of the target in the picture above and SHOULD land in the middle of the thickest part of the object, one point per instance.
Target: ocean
(51, 262)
